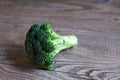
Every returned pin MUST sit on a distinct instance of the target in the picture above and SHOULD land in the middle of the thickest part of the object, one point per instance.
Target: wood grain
(97, 26)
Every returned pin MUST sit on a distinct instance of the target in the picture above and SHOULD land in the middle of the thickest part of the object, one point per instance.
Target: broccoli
(42, 44)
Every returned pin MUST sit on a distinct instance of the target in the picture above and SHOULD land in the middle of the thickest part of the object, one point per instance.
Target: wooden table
(97, 26)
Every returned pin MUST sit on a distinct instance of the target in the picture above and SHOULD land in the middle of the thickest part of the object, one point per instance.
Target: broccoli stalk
(42, 44)
(64, 42)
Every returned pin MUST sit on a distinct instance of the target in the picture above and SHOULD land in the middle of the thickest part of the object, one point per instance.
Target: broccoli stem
(64, 42)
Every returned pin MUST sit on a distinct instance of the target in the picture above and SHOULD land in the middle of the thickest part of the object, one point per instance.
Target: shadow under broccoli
(42, 44)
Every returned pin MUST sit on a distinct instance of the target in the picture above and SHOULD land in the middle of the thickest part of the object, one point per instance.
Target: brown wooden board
(96, 25)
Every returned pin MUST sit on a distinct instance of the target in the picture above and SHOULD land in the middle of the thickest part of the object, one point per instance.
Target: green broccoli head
(42, 44)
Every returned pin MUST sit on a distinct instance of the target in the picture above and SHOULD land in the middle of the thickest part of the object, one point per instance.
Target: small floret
(42, 44)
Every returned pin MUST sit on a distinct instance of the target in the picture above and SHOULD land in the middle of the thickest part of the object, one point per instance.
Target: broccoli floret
(42, 44)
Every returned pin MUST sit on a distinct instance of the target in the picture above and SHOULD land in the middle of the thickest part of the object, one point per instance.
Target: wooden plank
(97, 26)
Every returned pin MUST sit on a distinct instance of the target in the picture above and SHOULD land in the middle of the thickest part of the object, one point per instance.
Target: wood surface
(96, 25)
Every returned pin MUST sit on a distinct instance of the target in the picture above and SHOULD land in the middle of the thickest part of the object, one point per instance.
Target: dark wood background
(97, 26)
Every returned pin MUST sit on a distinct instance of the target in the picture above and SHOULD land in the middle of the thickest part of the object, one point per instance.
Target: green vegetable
(42, 44)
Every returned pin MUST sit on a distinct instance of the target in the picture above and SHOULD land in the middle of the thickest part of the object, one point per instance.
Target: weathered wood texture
(97, 26)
